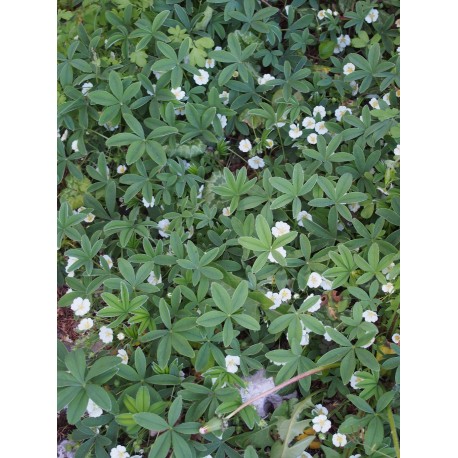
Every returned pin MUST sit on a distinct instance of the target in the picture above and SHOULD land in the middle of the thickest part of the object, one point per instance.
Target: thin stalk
(394, 433)
(279, 387)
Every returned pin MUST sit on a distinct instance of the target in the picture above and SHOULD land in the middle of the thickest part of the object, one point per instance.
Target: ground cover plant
(228, 228)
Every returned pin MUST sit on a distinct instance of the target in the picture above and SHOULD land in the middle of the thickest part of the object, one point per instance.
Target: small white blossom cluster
(342, 42)
(284, 295)
(280, 228)
(265, 78)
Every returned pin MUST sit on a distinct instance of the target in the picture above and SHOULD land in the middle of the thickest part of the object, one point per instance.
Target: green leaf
(99, 396)
(151, 421)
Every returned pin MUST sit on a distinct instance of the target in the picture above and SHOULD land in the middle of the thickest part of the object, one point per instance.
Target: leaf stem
(394, 433)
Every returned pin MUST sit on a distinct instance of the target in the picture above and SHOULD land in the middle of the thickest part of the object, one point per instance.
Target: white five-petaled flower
(222, 120)
(319, 409)
(322, 14)
(315, 306)
(256, 162)
(348, 68)
(106, 334)
(341, 111)
(374, 103)
(209, 63)
(75, 145)
(354, 207)
(203, 78)
(320, 128)
(108, 260)
(275, 298)
(372, 16)
(245, 145)
(163, 226)
(343, 41)
(280, 251)
(121, 169)
(232, 363)
(355, 86)
(269, 143)
(319, 109)
(305, 339)
(119, 452)
(314, 280)
(80, 306)
(339, 440)
(285, 294)
(388, 288)
(265, 78)
(326, 284)
(71, 260)
(280, 228)
(123, 355)
(120, 336)
(178, 93)
(321, 424)
(312, 138)
(224, 96)
(148, 204)
(397, 150)
(227, 211)
(396, 338)
(93, 409)
(86, 86)
(85, 324)
(308, 123)
(179, 111)
(89, 218)
(386, 99)
(153, 280)
(327, 337)
(294, 131)
(370, 316)
(303, 215)
(201, 190)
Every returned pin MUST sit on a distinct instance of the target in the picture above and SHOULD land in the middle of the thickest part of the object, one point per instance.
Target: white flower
(85, 324)
(227, 211)
(398, 50)
(355, 456)
(320, 128)
(179, 111)
(121, 169)
(86, 86)
(93, 409)
(120, 336)
(203, 78)
(256, 162)
(303, 215)
(386, 99)
(319, 409)
(372, 16)
(264, 78)
(269, 143)
(348, 68)
(275, 298)
(245, 145)
(199, 194)
(341, 111)
(163, 225)
(388, 269)
(308, 123)
(369, 344)
(327, 337)
(108, 260)
(178, 93)
(218, 48)
(355, 86)
(71, 260)
(285, 294)
(354, 207)
(89, 218)
(370, 316)
(343, 41)
(326, 284)
(281, 251)
(64, 135)
(339, 440)
(294, 131)
(123, 355)
(280, 228)
(80, 306)
(305, 339)
(106, 334)
(148, 204)
(312, 139)
(340, 226)
(321, 424)
(158, 74)
(209, 63)
(281, 122)
(397, 150)
(374, 103)
(314, 280)
(321, 110)
(224, 96)
(153, 280)
(337, 49)
(388, 288)
(317, 304)
(322, 14)
(222, 120)
(119, 452)
(75, 145)
(232, 363)
(396, 338)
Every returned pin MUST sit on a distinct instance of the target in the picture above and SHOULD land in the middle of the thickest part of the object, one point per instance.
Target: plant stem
(279, 387)
(394, 433)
